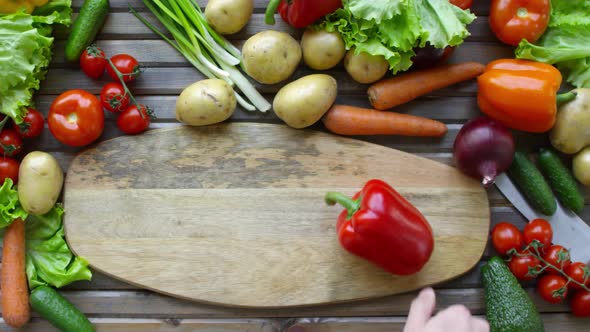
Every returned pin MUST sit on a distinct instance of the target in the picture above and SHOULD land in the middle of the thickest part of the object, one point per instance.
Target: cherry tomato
(76, 118)
(11, 143)
(540, 230)
(506, 236)
(133, 121)
(548, 284)
(514, 20)
(557, 256)
(32, 125)
(581, 304)
(93, 62)
(463, 4)
(113, 97)
(8, 169)
(126, 65)
(519, 265)
(576, 271)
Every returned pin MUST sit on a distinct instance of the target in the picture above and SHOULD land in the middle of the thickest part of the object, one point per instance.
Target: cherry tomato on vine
(540, 230)
(8, 169)
(32, 125)
(93, 62)
(134, 120)
(463, 4)
(514, 20)
(76, 118)
(557, 256)
(506, 236)
(11, 143)
(519, 266)
(576, 271)
(126, 65)
(549, 287)
(581, 304)
(113, 97)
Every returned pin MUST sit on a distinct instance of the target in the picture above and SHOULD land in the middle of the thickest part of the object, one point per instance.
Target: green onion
(210, 53)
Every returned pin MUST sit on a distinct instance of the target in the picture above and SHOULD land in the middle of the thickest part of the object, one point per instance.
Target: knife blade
(569, 230)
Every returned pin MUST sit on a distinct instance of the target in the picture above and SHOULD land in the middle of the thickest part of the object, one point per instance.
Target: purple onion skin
(483, 149)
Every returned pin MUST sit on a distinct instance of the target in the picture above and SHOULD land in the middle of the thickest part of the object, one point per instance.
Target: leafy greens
(10, 208)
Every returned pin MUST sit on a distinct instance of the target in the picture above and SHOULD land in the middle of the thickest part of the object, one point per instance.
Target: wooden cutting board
(234, 214)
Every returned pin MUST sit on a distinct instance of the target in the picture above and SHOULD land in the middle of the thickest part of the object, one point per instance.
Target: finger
(420, 310)
(455, 318)
(479, 325)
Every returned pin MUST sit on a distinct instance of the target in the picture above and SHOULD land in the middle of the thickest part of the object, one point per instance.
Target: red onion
(483, 149)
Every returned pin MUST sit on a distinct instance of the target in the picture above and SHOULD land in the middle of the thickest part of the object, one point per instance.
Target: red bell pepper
(300, 13)
(381, 226)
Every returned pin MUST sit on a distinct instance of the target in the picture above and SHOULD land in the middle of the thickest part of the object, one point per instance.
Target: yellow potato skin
(571, 131)
(365, 68)
(581, 166)
(322, 50)
(40, 180)
(271, 56)
(206, 102)
(228, 16)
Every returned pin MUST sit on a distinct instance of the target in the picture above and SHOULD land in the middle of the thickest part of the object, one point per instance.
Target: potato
(303, 102)
(270, 56)
(40, 179)
(206, 102)
(571, 132)
(322, 49)
(365, 68)
(581, 166)
(228, 16)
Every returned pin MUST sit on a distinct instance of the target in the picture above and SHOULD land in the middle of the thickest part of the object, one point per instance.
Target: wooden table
(116, 306)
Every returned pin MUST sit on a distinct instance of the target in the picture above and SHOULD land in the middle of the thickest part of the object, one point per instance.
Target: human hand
(455, 318)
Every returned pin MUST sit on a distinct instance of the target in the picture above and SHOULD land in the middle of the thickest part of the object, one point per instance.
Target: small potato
(581, 166)
(228, 16)
(303, 102)
(40, 180)
(322, 49)
(206, 102)
(365, 68)
(270, 56)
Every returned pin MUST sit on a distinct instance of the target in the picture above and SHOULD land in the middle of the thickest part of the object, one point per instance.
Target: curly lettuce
(10, 208)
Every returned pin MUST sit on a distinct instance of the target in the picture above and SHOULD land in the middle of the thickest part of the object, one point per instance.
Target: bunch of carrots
(388, 93)
(13, 279)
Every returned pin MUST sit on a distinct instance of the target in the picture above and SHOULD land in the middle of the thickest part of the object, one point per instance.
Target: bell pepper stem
(351, 205)
(271, 9)
(565, 97)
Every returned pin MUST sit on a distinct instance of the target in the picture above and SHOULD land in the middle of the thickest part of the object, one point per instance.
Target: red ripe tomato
(134, 120)
(76, 118)
(552, 288)
(519, 265)
(8, 169)
(581, 304)
(577, 271)
(113, 97)
(126, 65)
(463, 4)
(32, 125)
(514, 20)
(11, 143)
(93, 62)
(540, 230)
(557, 256)
(506, 236)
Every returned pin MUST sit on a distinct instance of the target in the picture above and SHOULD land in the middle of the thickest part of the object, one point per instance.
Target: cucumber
(85, 28)
(532, 184)
(561, 180)
(508, 307)
(59, 311)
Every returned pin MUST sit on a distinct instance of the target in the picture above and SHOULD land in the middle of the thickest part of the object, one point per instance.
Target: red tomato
(132, 121)
(557, 256)
(32, 125)
(550, 286)
(113, 97)
(76, 118)
(126, 65)
(540, 230)
(577, 272)
(11, 143)
(519, 265)
(463, 4)
(506, 236)
(514, 20)
(8, 169)
(93, 62)
(581, 304)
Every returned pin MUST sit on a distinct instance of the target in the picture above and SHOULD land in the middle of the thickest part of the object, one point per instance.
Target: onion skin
(483, 149)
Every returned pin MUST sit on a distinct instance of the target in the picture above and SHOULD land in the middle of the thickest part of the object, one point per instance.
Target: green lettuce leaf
(10, 208)
(55, 11)
(49, 260)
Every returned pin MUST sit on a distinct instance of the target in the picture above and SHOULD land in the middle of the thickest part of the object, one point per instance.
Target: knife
(569, 230)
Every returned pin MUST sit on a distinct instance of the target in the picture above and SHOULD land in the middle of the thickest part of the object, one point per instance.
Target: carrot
(15, 291)
(351, 120)
(401, 89)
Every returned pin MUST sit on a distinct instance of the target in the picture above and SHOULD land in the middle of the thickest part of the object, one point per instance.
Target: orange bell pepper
(521, 94)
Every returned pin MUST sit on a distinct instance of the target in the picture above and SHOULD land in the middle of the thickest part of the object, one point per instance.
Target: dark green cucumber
(532, 184)
(561, 180)
(508, 307)
(85, 28)
(59, 311)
